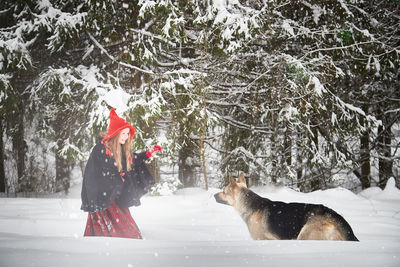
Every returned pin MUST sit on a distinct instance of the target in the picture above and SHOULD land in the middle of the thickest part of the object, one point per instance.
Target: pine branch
(95, 42)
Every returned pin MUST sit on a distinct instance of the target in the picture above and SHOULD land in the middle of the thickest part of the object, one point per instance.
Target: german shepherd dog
(275, 220)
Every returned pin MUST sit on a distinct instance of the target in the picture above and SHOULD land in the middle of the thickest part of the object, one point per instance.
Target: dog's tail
(351, 236)
(345, 228)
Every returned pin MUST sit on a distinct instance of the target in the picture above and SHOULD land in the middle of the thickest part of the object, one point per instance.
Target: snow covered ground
(191, 229)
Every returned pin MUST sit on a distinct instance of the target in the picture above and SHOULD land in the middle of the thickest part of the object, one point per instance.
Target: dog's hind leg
(320, 228)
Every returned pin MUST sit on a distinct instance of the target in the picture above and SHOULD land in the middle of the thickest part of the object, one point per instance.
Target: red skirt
(112, 222)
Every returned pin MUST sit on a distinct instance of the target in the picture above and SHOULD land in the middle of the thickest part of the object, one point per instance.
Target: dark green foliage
(285, 91)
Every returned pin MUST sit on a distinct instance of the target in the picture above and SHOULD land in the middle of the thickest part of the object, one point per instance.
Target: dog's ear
(231, 180)
(241, 178)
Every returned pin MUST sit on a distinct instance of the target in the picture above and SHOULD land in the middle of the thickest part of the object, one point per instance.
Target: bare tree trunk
(299, 161)
(3, 181)
(274, 160)
(365, 162)
(186, 168)
(20, 147)
(154, 170)
(365, 158)
(384, 150)
(63, 165)
(288, 147)
(187, 178)
(315, 182)
(204, 127)
(63, 171)
(20, 101)
(203, 159)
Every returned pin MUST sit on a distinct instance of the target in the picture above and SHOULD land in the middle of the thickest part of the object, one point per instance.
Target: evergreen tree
(287, 91)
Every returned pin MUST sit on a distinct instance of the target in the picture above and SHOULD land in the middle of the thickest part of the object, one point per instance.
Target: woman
(114, 181)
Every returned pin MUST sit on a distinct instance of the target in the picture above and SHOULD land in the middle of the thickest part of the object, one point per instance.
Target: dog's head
(230, 192)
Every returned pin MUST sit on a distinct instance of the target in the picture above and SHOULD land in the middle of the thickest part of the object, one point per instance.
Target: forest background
(300, 93)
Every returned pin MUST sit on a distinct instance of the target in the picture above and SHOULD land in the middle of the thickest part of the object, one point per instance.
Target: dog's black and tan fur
(275, 220)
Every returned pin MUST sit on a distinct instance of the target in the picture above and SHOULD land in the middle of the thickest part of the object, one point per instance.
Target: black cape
(102, 183)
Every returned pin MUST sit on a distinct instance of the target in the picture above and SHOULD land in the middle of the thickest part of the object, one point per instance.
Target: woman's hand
(153, 151)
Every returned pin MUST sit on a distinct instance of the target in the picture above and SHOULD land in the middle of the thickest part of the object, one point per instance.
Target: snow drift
(191, 229)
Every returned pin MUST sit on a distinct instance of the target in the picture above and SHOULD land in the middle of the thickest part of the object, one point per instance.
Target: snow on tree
(297, 92)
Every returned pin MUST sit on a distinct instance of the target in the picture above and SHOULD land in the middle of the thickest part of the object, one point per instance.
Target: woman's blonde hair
(115, 147)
